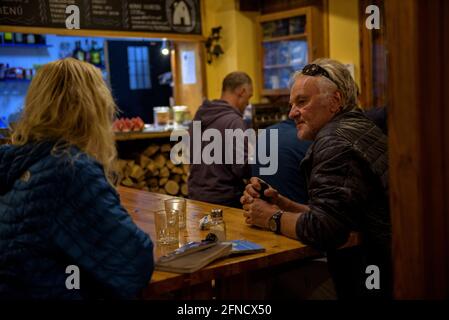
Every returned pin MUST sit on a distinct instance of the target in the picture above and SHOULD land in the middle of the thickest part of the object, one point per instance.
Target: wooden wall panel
(418, 144)
(444, 38)
(373, 56)
(270, 6)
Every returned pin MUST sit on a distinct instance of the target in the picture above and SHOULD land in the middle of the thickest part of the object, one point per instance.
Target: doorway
(140, 77)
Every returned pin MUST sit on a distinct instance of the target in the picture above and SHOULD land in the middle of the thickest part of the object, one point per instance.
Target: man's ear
(336, 102)
(240, 91)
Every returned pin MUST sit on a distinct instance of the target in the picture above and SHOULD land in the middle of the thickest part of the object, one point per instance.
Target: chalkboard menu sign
(157, 16)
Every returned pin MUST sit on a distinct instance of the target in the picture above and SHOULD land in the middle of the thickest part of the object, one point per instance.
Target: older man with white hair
(346, 169)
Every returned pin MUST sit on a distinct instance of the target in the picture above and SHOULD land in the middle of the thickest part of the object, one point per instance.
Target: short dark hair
(234, 80)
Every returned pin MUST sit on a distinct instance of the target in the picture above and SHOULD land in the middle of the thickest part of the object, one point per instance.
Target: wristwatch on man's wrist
(274, 223)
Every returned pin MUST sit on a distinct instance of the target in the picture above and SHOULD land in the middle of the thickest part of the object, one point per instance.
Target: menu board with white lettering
(157, 16)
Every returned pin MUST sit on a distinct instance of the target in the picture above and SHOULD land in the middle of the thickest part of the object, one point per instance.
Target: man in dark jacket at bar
(222, 183)
(347, 176)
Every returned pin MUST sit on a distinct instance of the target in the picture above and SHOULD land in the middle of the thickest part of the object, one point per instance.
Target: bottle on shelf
(7, 37)
(87, 51)
(18, 38)
(218, 226)
(95, 56)
(79, 53)
(30, 38)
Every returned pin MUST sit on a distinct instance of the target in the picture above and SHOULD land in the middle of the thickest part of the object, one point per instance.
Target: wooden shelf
(26, 45)
(137, 135)
(279, 66)
(302, 36)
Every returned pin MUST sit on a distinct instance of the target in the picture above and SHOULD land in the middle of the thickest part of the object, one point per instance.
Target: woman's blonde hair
(68, 102)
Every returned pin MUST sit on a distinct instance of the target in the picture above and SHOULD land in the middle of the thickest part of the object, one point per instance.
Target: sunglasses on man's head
(315, 70)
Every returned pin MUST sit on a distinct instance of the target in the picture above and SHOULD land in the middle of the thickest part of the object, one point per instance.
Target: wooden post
(418, 119)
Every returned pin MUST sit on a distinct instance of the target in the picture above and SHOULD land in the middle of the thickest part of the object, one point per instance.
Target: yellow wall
(242, 50)
(344, 33)
(238, 43)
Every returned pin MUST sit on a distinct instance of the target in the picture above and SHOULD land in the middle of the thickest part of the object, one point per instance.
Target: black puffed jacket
(346, 170)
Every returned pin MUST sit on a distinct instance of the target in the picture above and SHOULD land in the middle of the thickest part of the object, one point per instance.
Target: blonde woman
(58, 207)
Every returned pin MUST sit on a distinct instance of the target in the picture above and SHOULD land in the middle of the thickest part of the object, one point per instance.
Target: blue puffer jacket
(56, 210)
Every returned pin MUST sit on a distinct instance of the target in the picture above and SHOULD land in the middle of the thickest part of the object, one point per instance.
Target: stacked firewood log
(153, 171)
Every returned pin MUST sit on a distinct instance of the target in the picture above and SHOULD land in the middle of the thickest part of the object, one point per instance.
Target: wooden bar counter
(149, 134)
(225, 278)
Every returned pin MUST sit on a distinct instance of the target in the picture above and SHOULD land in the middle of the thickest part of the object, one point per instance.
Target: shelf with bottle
(284, 29)
(279, 77)
(92, 55)
(16, 74)
(15, 45)
(287, 53)
(302, 36)
(264, 115)
(23, 40)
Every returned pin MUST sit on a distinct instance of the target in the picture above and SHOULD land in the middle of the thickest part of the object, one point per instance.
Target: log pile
(153, 171)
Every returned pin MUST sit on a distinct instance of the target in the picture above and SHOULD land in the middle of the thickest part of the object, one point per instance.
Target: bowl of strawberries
(128, 124)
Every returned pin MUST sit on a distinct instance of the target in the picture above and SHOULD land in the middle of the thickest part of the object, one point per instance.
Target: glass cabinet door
(285, 50)
(281, 60)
